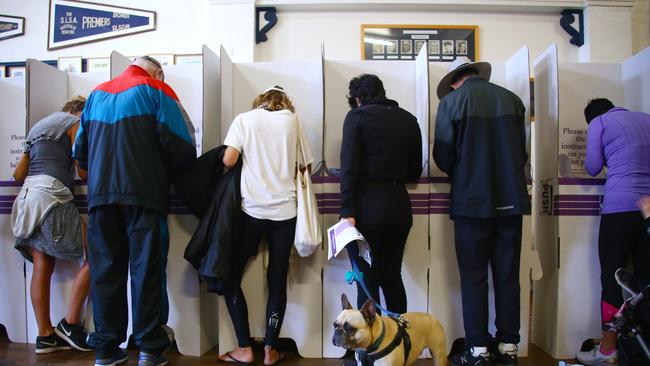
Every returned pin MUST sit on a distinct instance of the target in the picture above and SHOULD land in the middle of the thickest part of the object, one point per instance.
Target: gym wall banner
(403, 42)
(76, 22)
(11, 26)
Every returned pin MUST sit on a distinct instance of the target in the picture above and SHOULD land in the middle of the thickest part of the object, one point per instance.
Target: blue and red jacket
(134, 135)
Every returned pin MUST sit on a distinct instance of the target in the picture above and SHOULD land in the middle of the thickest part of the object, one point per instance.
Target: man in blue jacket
(480, 142)
(134, 135)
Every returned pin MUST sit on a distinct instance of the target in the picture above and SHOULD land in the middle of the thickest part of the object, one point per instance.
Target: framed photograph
(418, 44)
(3, 70)
(377, 49)
(402, 41)
(165, 59)
(461, 47)
(188, 59)
(447, 47)
(406, 46)
(69, 64)
(434, 47)
(16, 71)
(392, 47)
(100, 64)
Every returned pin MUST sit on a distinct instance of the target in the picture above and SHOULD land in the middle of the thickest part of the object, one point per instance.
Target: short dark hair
(366, 87)
(462, 74)
(596, 107)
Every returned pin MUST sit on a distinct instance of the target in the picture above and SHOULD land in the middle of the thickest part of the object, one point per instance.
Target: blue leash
(357, 276)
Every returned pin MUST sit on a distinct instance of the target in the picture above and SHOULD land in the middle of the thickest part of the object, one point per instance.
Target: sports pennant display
(11, 26)
(76, 22)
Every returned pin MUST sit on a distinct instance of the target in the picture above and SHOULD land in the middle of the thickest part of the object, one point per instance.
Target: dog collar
(368, 358)
(375, 345)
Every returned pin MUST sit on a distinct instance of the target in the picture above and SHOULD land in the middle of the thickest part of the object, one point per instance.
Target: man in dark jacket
(134, 135)
(480, 142)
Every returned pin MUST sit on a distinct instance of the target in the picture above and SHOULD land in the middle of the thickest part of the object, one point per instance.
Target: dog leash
(357, 276)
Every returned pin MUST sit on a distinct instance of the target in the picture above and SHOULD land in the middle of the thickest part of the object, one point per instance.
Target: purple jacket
(620, 140)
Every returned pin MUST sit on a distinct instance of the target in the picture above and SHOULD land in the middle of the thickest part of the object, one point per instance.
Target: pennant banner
(75, 22)
(11, 26)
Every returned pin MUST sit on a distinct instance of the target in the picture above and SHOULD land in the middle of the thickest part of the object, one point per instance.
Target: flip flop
(234, 361)
(280, 358)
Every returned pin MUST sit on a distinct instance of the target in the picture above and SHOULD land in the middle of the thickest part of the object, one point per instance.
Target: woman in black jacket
(381, 150)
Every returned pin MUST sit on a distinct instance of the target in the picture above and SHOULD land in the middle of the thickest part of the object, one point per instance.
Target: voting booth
(444, 292)
(12, 280)
(566, 308)
(303, 82)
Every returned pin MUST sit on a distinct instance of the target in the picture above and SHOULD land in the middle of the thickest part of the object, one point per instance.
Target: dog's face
(352, 328)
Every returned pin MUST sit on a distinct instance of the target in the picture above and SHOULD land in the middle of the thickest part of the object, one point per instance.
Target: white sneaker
(593, 357)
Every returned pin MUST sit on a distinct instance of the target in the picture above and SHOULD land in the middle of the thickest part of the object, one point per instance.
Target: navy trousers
(483, 242)
(123, 238)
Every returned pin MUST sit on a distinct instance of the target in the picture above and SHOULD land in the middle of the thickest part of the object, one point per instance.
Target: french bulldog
(360, 329)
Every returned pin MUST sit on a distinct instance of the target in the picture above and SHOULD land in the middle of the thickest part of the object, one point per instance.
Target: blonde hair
(75, 105)
(273, 100)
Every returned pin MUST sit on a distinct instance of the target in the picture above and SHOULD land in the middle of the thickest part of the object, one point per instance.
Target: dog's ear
(345, 304)
(369, 311)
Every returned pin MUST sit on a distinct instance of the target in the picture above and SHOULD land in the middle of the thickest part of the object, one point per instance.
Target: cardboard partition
(636, 81)
(12, 280)
(119, 63)
(211, 63)
(47, 90)
(422, 96)
(227, 87)
(445, 301)
(398, 80)
(303, 82)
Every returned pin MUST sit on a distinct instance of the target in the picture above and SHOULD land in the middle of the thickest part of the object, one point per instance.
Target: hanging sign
(11, 26)
(403, 42)
(76, 22)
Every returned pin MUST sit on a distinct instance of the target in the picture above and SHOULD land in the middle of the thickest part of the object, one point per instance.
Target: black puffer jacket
(215, 198)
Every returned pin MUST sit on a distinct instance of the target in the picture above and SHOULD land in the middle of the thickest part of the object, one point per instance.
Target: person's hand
(352, 220)
(644, 205)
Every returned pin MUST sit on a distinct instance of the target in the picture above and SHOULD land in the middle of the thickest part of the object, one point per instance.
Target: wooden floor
(23, 354)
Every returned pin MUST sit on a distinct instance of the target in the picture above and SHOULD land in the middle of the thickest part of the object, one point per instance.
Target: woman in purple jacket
(619, 140)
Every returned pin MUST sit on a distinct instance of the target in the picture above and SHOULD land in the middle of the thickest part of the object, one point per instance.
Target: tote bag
(308, 231)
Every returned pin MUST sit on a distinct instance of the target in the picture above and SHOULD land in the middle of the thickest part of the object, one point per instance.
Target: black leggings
(621, 235)
(387, 248)
(280, 236)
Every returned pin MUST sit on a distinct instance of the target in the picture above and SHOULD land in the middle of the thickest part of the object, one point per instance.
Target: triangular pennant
(11, 26)
(75, 22)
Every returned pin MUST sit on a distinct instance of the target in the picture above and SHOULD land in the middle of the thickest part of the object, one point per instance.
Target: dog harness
(369, 356)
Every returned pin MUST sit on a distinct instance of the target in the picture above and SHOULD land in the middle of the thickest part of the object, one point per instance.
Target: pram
(632, 323)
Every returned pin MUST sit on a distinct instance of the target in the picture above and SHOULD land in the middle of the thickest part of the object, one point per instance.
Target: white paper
(342, 234)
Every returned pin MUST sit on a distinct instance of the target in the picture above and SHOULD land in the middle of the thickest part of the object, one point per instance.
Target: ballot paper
(344, 233)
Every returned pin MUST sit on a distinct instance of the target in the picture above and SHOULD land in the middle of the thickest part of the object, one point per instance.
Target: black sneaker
(467, 359)
(74, 334)
(147, 359)
(49, 344)
(119, 357)
(509, 358)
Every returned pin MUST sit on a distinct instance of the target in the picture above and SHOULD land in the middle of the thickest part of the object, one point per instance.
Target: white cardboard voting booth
(566, 308)
(12, 279)
(444, 281)
(191, 308)
(303, 81)
(407, 83)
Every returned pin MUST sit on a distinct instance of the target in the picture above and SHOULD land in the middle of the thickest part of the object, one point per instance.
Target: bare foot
(239, 354)
(271, 356)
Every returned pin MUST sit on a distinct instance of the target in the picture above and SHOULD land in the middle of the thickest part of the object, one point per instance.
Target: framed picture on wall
(16, 71)
(3, 70)
(69, 64)
(164, 59)
(404, 41)
(188, 59)
(98, 64)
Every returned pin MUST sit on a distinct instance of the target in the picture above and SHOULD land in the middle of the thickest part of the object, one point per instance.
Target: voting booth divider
(566, 305)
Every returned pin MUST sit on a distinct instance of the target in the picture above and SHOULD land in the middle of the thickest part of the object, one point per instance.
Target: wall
(640, 25)
(298, 33)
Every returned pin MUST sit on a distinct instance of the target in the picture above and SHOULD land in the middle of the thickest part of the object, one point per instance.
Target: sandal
(234, 361)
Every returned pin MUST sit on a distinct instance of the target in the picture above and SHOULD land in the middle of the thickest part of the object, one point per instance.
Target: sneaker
(49, 344)
(505, 355)
(117, 358)
(593, 357)
(74, 334)
(147, 359)
(467, 358)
